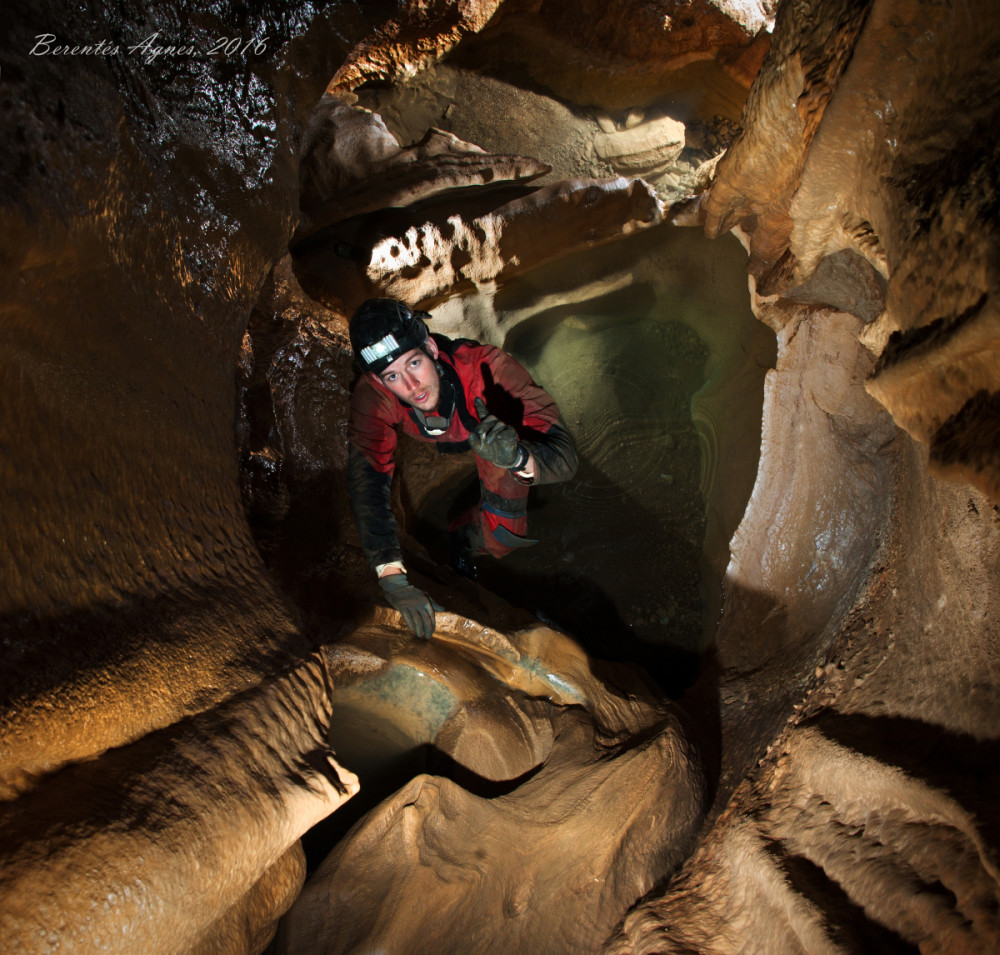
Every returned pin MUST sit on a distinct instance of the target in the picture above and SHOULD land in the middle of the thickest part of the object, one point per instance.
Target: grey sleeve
(370, 505)
(554, 454)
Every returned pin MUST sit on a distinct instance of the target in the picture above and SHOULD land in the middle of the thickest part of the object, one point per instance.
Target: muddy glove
(495, 441)
(415, 606)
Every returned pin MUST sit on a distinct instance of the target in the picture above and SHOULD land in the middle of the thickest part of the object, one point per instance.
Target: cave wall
(774, 191)
(125, 536)
(145, 198)
(851, 576)
(867, 134)
(852, 714)
(846, 817)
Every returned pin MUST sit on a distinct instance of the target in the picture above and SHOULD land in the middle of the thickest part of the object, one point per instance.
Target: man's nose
(411, 379)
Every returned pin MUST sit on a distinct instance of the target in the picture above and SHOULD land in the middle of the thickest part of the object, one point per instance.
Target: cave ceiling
(214, 738)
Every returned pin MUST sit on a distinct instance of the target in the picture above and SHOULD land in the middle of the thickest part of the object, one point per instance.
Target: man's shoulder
(466, 351)
(371, 400)
(458, 348)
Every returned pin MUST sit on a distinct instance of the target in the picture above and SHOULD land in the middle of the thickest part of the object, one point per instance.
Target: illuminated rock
(851, 711)
(385, 220)
(598, 796)
(186, 838)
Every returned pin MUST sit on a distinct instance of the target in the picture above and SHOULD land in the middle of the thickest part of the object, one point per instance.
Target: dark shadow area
(376, 785)
(968, 443)
(570, 584)
(701, 708)
(578, 605)
(354, 237)
(308, 542)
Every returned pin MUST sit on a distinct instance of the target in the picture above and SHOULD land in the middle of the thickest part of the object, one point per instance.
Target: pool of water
(657, 364)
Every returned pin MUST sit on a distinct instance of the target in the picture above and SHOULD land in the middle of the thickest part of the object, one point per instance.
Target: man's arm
(369, 491)
(552, 454)
(371, 444)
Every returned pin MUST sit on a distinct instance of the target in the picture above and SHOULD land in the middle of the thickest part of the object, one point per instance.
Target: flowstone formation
(576, 792)
(196, 673)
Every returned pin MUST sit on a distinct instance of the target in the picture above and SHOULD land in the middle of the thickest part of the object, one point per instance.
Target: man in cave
(463, 396)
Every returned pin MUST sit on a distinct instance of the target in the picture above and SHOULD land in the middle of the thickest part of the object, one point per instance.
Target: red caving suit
(468, 370)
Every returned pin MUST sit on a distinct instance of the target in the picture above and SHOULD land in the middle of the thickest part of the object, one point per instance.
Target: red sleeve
(536, 418)
(540, 409)
(372, 425)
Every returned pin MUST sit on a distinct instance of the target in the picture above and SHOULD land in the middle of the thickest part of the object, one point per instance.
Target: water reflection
(657, 364)
(617, 565)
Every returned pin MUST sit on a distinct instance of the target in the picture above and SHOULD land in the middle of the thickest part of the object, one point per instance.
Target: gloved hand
(493, 440)
(415, 606)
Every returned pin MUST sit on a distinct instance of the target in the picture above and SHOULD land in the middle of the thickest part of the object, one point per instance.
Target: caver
(461, 395)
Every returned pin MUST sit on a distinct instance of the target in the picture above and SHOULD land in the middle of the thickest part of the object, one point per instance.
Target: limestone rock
(249, 925)
(854, 715)
(615, 55)
(826, 451)
(888, 841)
(644, 148)
(426, 254)
(108, 854)
(423, 31)
(760, 172)
(352, 165)
(549, 867)
(601, 794)
(412, 224)
(825, 182)
(629, 53)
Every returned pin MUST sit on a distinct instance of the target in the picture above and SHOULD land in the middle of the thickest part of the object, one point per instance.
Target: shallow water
(620, 543)
(657, 363)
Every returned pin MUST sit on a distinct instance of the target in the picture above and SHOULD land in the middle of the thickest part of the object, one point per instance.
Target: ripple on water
(625, 393)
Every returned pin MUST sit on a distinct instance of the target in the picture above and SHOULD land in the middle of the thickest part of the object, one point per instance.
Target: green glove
(415, 606)
(495, 441)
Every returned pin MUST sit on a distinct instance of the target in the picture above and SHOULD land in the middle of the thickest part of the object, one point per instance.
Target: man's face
(413, 378)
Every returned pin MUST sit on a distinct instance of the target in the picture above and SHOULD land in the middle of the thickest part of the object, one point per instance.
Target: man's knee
(501, 538)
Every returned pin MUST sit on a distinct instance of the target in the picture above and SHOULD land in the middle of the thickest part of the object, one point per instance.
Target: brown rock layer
(600, 796)
(615, 55)
(867, 130)
(352, 165)
(149, 748)
(213, 802)
(755, 181)
(425, 254)
(422, 32)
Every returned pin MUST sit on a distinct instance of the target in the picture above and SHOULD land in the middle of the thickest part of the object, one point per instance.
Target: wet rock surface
(142, 196)
(535, 750)
(95, 854)
(351, 164)
(616, 55)
(164, 713)
(649, 364)
(914, 184)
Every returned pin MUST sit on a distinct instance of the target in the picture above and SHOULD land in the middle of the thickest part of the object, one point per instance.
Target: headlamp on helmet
(382, 329)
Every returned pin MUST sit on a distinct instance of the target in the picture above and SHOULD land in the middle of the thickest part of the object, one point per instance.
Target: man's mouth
(417, 399)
